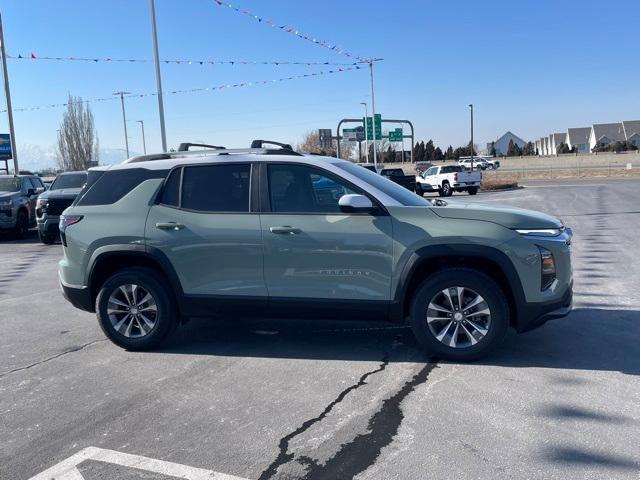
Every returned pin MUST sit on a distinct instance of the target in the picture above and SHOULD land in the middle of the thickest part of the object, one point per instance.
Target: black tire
(166, 316)
(468, 278)
(446, 190)
(46, 238)
(22, 225)
(472, 190)
(419, 190)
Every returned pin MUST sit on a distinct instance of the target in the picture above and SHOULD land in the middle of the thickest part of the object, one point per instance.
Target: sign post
(325, 139)
(7, 93)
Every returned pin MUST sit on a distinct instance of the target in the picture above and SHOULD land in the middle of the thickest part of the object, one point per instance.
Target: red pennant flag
(33, 55)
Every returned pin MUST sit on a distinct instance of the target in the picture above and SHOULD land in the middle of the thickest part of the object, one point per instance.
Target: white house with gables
(555, 140)
(632, 132)
(578, 138)
(606, 133)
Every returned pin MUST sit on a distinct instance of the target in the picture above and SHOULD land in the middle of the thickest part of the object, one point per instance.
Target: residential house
(606, 133)
(556, 139)
(632, 132)
(578, 138)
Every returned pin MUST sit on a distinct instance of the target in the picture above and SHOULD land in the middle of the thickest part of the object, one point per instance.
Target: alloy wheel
(132, 310)
(458, 317)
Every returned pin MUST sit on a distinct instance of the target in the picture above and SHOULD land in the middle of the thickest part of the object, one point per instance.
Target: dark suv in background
(18, 195)
(63, 191)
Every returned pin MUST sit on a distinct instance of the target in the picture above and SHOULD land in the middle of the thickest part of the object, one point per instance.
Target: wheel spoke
(453, 342)
(444, 331)
(443, 309)
(118, 325)
(148, 322)
(127, 332)
(145, 299)
(484, 311)
(123, 289)
(115, 301)
(469, 335)
(460, 292)
(478, 328)
(476, 301)
(448, 295)
(134, 294)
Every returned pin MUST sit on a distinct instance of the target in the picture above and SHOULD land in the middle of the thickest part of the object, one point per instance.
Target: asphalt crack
(284, 456)
(61, 354)
(356, 456)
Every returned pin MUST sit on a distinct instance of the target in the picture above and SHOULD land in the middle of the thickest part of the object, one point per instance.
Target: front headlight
(5, 203)
(541, 232)
(42, 203)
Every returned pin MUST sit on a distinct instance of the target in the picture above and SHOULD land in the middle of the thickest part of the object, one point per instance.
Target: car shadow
(9, 238)
(588, 339)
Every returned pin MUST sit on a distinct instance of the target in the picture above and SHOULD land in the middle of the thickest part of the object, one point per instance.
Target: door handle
(169, 226)
(285, 230)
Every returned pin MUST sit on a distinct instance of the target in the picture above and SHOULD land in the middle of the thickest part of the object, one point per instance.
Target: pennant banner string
(291, 30)
(33, 56)
(194, 90)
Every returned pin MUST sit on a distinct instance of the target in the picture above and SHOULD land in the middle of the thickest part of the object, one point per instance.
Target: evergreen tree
(449, 155)
(528, 149)
(437, 154)
(429, 151)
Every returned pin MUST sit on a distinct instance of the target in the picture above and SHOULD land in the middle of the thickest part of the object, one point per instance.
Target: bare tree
(77, 138)
(311, 143)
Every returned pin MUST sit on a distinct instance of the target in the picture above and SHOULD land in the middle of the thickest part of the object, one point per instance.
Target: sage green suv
(157, 239)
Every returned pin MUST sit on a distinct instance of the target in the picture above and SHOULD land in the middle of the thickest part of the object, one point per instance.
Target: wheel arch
(107, 260)
(429, 260)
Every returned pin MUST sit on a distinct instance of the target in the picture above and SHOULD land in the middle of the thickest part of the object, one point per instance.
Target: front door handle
(169, 226)
(285, 230)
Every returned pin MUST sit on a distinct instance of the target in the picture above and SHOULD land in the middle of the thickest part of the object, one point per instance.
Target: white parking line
(67, 469)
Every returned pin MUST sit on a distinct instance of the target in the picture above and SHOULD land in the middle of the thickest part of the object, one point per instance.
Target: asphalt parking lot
(260, 399)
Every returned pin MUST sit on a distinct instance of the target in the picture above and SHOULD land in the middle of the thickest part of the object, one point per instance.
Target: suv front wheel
(135, 309)
(459, 314)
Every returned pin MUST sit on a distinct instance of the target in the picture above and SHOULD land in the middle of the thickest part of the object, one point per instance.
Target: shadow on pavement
(8, 238)
(588, 339)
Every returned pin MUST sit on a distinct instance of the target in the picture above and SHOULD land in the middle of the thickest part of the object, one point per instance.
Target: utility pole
(471, 107)
(144, 142)
(366, 137)
(124, 120)
(7, 93)
(373, 117)
(163, 133)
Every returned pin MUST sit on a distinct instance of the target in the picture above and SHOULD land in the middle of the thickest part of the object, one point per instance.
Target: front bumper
(534, 315)
(79, 297)
(6, 222)
(49, 225)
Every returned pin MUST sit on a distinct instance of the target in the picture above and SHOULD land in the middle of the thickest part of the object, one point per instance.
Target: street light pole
(163, 133)
(124, 120)
(7, 93)
(373, 117)
(471, 107)
(366, 137)
(144, 142)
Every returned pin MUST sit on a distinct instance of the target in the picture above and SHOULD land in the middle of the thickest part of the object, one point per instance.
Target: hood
(510, 217)
(5, 195)
(62, 193)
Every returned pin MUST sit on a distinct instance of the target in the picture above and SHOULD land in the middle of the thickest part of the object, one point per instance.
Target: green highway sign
(396, 135)
(377, 123)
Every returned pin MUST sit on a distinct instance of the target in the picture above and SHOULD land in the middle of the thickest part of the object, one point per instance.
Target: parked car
(165, 237)
(50, 205)
(370, 166)
(478, 164)
(398, 176)
(448, 178)
(18, 196)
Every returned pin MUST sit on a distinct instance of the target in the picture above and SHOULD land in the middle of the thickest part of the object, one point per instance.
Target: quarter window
(171, 191)
(300, 189)
(217, 188)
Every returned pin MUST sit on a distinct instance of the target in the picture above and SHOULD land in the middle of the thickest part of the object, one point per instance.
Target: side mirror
(31, 192)
(353, 203)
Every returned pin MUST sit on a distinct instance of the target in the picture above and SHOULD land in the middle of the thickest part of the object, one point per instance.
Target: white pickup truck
(448, 179)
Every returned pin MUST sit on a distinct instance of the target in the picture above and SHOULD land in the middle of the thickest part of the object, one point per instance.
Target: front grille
(58, 205)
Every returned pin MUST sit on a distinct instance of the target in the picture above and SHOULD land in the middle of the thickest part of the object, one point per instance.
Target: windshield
(69, 180)
(395, 191)
(10, 184)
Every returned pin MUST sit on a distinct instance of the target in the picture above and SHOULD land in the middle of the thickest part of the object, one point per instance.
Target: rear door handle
(285, 230)
(169, 226)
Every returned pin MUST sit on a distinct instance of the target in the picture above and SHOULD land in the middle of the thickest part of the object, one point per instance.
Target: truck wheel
(419, 190)
(46, 238)
(136, 309)
(22, 225)
(446, 190)
(472, 190)
(459, 314)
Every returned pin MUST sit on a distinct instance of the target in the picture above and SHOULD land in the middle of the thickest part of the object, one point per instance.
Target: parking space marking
(67, 469)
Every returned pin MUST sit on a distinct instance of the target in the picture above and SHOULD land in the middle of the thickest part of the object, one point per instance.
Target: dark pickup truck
(397, 175)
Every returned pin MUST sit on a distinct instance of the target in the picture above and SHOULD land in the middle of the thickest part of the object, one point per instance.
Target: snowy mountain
(36, 158)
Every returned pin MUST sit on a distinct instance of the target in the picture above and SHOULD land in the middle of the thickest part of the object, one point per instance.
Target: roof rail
(206, 153)
(260, 144)
(184, 147)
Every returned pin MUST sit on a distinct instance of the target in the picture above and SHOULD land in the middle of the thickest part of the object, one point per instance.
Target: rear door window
(217, 188)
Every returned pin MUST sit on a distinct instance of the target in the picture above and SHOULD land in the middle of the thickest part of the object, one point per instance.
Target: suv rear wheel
(135, 309)
(459, 314)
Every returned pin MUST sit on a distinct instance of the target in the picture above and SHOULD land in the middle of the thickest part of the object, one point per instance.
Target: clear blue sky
(531, 67)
